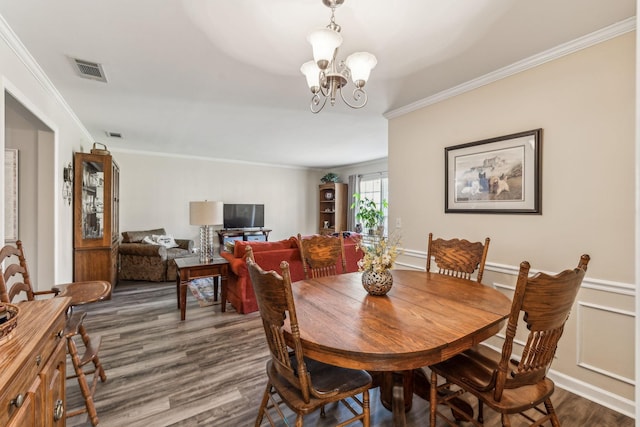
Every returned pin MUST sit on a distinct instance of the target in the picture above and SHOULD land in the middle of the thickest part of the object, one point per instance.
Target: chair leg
(433, 399)
(552, 413)
(93, 352)
(505, 421)
(263, 404)
(480, 411)
(366, 410)
(82, 382)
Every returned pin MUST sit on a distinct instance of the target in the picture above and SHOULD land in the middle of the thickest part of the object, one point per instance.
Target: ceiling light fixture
(326, 76)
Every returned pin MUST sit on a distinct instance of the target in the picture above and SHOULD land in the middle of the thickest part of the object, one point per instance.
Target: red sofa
(268, 256)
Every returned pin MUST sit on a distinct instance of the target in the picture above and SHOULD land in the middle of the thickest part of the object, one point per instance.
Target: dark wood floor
(209, 369)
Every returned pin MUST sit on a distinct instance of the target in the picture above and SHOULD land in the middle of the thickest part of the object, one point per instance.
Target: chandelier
(326, 76)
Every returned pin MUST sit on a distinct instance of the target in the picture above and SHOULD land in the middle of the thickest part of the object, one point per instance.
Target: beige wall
(585, 103)
(156, 190)
(51, 221)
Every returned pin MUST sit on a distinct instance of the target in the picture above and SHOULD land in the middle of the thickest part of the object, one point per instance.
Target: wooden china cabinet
(96, 225)
(333, 201)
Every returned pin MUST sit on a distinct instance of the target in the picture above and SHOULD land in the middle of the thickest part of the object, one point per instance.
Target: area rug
(202, 289)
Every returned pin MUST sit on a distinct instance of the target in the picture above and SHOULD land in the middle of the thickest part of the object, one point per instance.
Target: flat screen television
(243, 216)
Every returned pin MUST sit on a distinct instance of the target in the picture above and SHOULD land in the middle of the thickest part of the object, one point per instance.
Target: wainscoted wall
(595, 357)
(585, 104)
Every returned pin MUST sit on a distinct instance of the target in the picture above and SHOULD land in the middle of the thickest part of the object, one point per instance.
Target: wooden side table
(191, 268)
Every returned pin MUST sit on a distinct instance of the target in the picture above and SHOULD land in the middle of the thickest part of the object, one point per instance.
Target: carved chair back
(546, 302)
(320, 255)
(458, 257)
(275, 300)
(15, 277)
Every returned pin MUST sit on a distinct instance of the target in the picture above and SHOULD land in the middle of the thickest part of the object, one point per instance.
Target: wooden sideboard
(33, 366)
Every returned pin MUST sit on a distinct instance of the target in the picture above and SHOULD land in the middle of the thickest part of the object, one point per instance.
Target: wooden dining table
(424, 319)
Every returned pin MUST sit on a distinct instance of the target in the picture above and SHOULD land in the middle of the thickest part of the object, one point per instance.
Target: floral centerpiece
(379, 256)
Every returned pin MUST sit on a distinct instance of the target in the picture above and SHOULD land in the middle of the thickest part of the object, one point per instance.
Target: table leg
(183, 300)
(398, 406)
(223, 294)
(215, 288)
(421, 385)
(387, 384)
(178, 280)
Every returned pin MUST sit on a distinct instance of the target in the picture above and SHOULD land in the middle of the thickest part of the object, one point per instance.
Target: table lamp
(206, 214)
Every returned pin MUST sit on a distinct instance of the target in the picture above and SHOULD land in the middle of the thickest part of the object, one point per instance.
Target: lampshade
(312, 73)
(361, 64)
(324, 43)
(206, 213)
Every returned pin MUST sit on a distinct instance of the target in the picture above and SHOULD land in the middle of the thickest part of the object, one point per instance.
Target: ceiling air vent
(113, 134)
(90, 70)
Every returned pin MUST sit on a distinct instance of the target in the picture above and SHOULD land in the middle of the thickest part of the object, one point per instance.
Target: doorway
(34, 143)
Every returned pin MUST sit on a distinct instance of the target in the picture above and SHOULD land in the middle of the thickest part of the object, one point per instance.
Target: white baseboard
(595, 394)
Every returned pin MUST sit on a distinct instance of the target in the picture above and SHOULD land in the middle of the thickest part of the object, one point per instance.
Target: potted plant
(330, 177)
(368, 212)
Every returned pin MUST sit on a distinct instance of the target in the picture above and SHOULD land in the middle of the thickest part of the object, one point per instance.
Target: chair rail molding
(620, 288)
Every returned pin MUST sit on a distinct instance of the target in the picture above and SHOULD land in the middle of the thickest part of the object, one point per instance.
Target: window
(375, 187)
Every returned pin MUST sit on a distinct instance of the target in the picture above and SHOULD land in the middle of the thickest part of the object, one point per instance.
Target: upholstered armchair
(143, 258)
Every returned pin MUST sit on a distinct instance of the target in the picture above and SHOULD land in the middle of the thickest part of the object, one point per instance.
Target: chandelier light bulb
(312, 73)
(360, 64)
(324, 43)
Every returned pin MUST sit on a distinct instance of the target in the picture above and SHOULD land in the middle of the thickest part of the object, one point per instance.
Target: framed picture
(497, 175)
(10, 195)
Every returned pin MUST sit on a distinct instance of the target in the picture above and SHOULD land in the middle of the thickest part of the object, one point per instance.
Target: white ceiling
(221, 78)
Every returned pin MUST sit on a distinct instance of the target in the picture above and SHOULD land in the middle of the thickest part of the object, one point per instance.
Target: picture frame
(10, 195)
(499, 175)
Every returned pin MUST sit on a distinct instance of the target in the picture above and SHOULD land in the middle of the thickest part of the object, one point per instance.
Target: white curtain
(352, 187)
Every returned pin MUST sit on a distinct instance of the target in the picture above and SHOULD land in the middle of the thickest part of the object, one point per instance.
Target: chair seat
(474, 371)
(84, 292)
(326, 378)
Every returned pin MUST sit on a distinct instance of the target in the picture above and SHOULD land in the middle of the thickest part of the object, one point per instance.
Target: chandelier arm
(317, 104)
(324, 84)
(359, 96)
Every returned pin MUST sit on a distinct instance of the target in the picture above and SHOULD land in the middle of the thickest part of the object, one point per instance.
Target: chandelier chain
(332, 23)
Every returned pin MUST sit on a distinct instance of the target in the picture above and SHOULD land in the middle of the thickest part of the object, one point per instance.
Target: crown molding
(203, 158)
(14, 43)
(559, 51)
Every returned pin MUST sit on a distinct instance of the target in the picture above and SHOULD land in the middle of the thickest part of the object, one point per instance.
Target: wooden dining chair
(320, 255)
(17, 275)
(458, 257)
(507, 385)
(302, 384)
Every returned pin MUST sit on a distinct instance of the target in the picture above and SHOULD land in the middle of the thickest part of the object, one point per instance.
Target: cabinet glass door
(92, 200)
